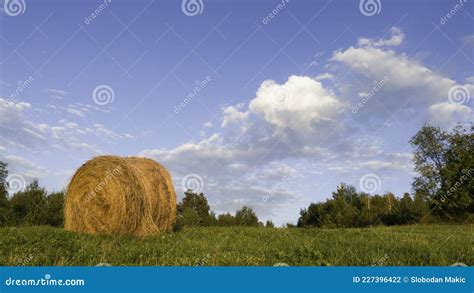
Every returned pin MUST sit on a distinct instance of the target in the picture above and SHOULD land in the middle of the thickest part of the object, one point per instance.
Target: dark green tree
(225, 220)
(312, 216)
(246, 217)
(55, 209)
(406, 211)
(29, 206)
(194, 210)
(431, 145)
(5, 210)
(445, 163)
(269, 224)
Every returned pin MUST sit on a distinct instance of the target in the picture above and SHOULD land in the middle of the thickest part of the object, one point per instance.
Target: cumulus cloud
(232, 115)
(402, 72)
(297, 107)
(408, 86)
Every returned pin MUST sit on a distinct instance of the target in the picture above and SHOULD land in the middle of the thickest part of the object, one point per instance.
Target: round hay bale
(160, 196)
(114, 195)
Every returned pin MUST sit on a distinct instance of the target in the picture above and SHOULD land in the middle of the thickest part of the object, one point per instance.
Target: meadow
(415, 245)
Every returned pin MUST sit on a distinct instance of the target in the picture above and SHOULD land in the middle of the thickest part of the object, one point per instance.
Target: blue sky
(269, 104)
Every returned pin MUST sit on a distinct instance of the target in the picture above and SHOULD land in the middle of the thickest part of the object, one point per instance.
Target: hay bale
(114, 195)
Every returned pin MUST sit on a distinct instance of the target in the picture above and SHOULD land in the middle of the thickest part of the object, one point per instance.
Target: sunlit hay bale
(160, 197)
(114, 195)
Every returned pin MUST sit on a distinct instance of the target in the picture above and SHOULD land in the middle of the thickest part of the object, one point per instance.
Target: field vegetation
(418, 245)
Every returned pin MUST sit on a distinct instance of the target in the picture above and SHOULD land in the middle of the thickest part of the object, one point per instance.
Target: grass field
(438, 245)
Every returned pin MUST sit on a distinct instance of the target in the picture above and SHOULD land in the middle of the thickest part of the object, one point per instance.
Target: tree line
(32, 206)
(194, 210)
(443, 191)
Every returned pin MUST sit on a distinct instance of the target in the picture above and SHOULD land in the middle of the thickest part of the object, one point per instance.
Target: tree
(446, 167)
(458, 196)
(420, 209)
(429, 157)
(29, 206)
(55, 209)
(269, 224)
(225, 220)
(194, 210)
(246, 217)
(190, 217)
(313, 216)
(406, 211)
(4, 202)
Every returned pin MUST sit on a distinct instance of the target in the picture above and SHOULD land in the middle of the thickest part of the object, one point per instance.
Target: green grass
(438, 245)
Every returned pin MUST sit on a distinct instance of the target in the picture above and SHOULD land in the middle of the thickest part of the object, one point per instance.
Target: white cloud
(72, 125)
(402, 72)
(233, 115)
(324, 76)
(443, 113)
(396, 39)
(410, 87)
(297, 107)
(15, 127)
(24, 167)
(76, 112)
(470, 79)
(101, 131)
(11, 111)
